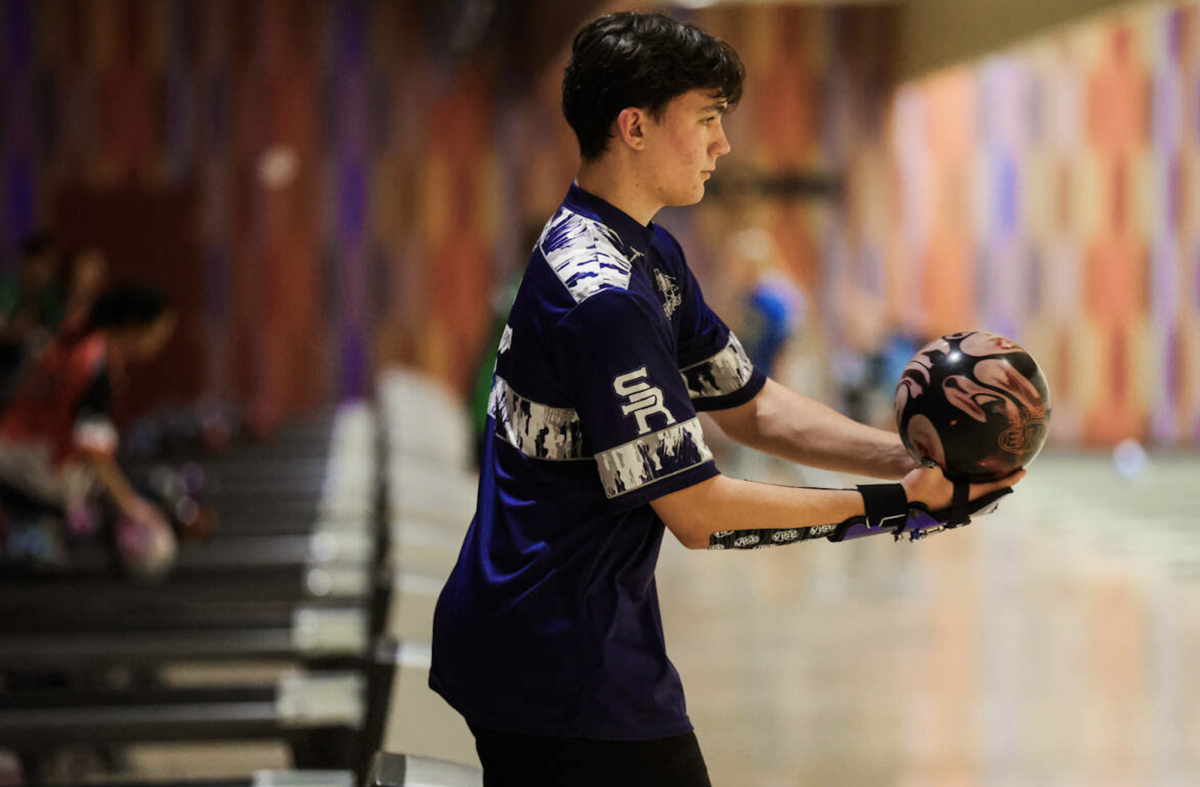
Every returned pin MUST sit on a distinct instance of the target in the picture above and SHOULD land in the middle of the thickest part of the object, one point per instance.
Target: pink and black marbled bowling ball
(974, 403)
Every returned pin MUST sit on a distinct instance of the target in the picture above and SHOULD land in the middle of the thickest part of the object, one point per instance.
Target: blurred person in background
(501, 303)
(547, 635)
(85, 275)
(31, 308)
(773, 306)
(889, 362)
(854, 359)
(770, 310)
(870, 355)
(57, 438)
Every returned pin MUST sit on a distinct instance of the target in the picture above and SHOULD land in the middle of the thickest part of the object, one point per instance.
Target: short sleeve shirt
(549, 623)
(65, 402)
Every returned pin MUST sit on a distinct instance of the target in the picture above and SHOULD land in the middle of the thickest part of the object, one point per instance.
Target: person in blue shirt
(547, 636)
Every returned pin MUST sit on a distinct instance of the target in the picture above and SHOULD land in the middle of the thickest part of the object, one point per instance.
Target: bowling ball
(167, 484)
(206, 521)
(193, 520)
(261, 419)
(179, 495)
(194, 478)
(218, 425)
(975, 404)
(146, 545)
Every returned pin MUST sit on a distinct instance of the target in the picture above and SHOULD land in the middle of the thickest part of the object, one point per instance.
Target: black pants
(514, 760)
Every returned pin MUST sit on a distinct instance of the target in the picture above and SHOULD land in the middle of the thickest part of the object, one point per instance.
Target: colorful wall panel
(359, 193)
(335, 226)
(1046, 193)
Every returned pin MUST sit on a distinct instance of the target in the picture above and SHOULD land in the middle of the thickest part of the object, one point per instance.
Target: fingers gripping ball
(146, 545)
(974, 403)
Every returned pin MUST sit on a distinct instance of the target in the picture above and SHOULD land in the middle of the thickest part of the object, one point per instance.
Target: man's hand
(145, 541)
(142, 510)
(930, 486)
(935, 503)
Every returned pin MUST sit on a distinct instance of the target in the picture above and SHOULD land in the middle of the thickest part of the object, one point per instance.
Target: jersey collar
(631, 232)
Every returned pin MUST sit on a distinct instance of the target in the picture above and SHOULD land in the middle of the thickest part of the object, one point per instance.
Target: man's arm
(783, 423)
(722, 504)
(113, 480)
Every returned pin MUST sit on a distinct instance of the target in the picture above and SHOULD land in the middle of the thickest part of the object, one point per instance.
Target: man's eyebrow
(721, 107)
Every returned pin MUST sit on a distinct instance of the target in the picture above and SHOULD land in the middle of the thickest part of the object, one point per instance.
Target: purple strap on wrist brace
(921, 522)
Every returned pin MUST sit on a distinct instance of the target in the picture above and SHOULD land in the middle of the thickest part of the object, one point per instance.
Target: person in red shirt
(57, 438)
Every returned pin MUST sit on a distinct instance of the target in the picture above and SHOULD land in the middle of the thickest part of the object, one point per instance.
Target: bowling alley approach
(589, 393)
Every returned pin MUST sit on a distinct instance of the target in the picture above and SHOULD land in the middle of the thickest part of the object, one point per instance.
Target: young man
(547, 636)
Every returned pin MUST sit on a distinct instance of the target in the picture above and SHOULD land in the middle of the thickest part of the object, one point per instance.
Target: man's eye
(708, 120)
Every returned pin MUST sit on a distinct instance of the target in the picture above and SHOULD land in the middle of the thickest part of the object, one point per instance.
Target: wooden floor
(1054, 643)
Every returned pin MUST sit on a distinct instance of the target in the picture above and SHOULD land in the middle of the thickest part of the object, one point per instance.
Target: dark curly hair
(127, 305)
(643, 60)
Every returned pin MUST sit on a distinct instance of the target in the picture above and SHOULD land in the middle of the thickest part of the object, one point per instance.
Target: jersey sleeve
(617, 363)
(715, 367)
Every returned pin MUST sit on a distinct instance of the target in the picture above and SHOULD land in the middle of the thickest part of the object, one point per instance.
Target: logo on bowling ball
(1020, 438)
(974, 403)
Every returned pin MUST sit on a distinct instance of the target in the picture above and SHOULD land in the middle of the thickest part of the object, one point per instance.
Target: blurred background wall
(1047, 193)
(330, 186)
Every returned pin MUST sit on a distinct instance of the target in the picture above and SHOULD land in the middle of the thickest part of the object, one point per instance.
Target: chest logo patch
(669, 289)
(643, 399)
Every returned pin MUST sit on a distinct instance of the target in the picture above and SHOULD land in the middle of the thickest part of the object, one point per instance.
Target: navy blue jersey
(549, 623)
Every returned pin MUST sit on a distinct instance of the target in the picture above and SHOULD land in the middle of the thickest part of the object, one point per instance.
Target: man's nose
(721, 144)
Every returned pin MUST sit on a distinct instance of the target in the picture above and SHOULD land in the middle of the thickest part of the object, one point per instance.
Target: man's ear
(631, 127)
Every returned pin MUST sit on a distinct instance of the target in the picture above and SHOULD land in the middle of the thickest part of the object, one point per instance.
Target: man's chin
(690, 199)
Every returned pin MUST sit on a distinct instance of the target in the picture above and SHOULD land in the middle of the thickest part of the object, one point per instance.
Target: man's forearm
(783, 423)
(113, 480)
(723, 505)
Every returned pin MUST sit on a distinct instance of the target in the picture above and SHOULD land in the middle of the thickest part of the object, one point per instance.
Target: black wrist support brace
(886, 508)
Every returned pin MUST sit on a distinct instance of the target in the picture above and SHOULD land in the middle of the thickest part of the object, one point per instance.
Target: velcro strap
(960, 505)
(886, 505)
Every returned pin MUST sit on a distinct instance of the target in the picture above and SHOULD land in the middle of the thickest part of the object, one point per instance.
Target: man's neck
(618, 184)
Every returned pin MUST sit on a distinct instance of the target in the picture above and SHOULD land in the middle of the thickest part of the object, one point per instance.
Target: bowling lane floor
(1053, 643)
